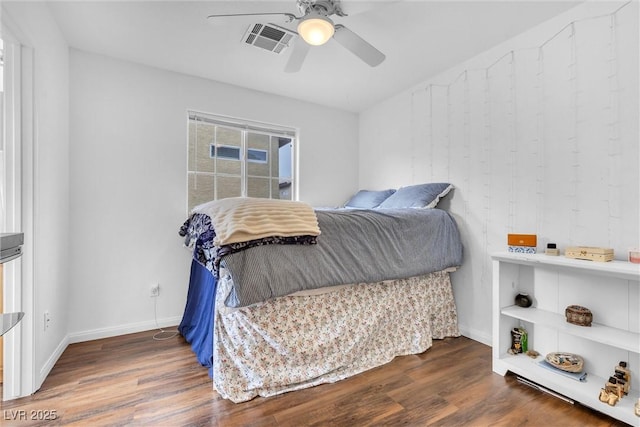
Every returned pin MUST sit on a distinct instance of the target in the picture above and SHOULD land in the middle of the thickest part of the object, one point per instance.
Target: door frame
(19, 345)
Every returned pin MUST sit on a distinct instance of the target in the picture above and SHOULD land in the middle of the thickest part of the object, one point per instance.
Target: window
(225, 152)
(231, 158)
(257, 156)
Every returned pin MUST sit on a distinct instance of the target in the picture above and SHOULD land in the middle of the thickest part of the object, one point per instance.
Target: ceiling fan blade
(290, 16)
(298, 54)
(358, 46)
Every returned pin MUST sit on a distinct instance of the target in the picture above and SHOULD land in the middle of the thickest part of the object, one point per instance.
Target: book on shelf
(578, 376)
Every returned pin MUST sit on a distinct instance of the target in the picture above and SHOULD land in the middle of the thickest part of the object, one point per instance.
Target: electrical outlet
(47, 320)
(155, 290)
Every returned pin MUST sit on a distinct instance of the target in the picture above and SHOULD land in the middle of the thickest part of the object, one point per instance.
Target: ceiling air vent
(268, 37)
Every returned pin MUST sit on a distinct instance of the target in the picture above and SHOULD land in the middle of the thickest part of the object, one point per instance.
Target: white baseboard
(48, 366)
(130, 328)
(476, 335)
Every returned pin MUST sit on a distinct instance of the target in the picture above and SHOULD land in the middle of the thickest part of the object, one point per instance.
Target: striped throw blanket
(243, 219)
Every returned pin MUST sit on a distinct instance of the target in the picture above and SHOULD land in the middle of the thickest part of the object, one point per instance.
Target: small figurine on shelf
(552, 249)
(622, 370)
(617, 386)
(624, 385)
(532, 353)
(518, 341)
(613, 386)
(608, 397)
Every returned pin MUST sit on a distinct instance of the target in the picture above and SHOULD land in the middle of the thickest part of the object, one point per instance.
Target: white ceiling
(420, 38)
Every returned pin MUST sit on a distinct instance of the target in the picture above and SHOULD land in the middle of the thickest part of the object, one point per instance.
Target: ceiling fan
(316, 28)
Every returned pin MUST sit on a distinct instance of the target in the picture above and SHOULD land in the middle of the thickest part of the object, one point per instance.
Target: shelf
(620, 269)
(620, 338)
(584, 392)
(551, 278)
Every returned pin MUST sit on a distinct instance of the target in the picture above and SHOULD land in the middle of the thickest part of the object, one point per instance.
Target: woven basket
(565, 361)
(578, 315)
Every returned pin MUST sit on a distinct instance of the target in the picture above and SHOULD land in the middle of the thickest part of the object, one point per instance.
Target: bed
(342, 292)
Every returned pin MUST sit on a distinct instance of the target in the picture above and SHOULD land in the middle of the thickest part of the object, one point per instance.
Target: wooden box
(522, 240)
(589, 253)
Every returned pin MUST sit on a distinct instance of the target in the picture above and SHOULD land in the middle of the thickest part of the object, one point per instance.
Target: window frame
(246, 127)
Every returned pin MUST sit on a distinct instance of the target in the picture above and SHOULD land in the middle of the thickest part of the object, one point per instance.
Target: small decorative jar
(523, 300)
(638, 408)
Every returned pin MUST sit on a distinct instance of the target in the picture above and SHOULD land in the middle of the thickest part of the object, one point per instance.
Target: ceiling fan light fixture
(316, 29)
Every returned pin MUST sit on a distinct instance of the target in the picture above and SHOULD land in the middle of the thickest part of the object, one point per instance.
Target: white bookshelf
(610, 290)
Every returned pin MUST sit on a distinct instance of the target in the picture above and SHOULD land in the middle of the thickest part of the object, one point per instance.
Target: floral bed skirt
(294, 342)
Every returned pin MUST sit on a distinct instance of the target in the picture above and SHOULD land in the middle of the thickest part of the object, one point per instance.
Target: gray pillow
(417, 196)
(366, 199)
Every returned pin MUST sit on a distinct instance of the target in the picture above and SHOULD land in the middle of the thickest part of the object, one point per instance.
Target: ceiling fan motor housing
(321, 7)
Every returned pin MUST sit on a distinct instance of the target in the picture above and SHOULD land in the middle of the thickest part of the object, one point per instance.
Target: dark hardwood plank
(135, 380)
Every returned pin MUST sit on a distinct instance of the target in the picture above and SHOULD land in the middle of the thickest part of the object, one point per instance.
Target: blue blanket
(197, 321)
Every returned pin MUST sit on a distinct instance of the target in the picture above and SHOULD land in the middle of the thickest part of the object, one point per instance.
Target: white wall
(49, 256)
(538, 135)
(128, 182)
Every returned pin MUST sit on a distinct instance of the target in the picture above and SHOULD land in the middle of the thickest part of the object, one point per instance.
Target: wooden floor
(135, 380)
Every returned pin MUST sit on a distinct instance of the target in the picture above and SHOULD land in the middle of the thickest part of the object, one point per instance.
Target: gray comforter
(356, 246)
